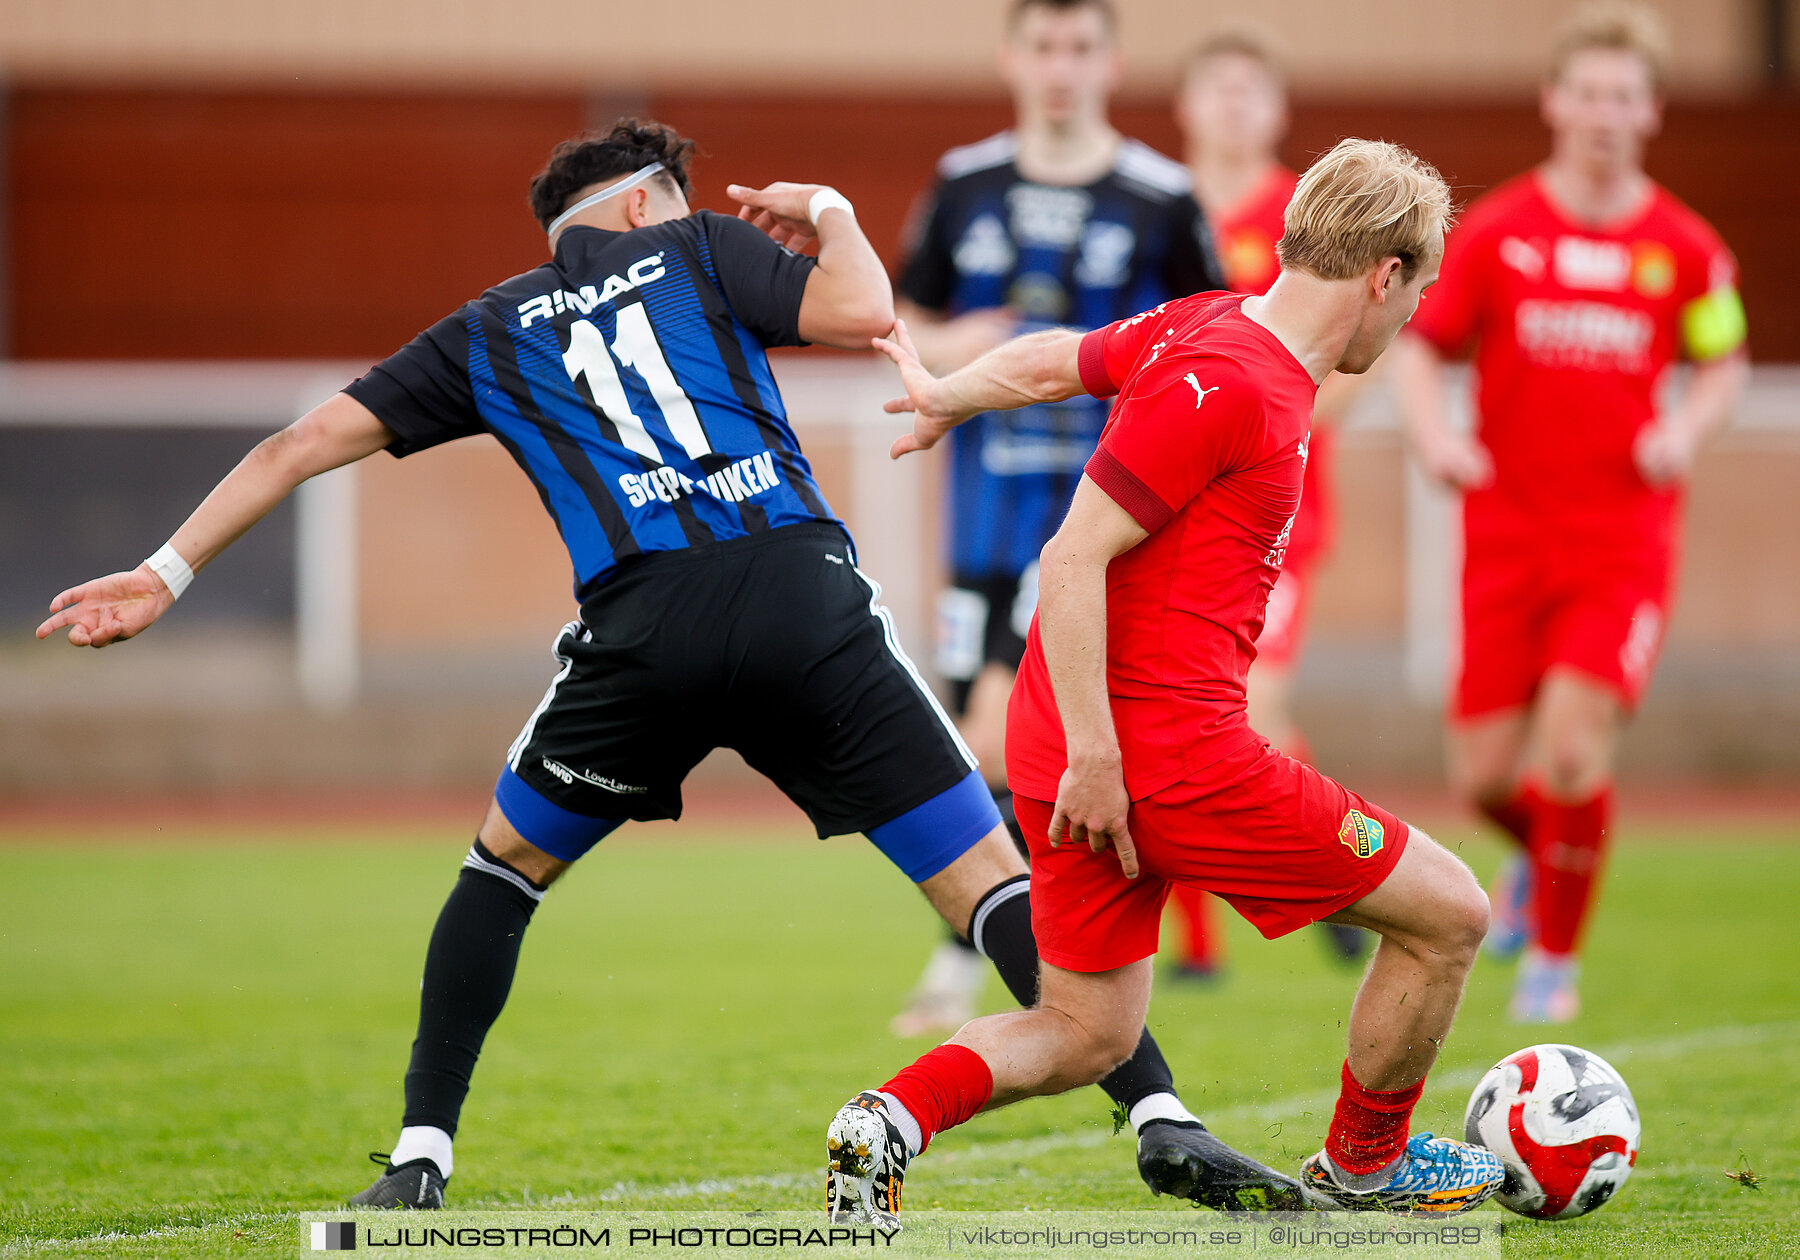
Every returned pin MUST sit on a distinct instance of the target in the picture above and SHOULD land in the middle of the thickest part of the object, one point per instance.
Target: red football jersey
(1574, 326)
(1206, 449)
(1246, 235)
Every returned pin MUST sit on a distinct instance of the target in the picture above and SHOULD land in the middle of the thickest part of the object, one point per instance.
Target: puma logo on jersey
(1200, 393)
(1524, 257)
(642, 272)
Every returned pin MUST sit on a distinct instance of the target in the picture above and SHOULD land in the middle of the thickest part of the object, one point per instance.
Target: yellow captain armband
(1713, 324)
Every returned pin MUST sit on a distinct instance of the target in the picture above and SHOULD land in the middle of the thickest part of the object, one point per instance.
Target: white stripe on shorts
(518, 745)
(893, 641)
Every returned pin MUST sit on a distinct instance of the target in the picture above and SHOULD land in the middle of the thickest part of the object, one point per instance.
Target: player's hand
(1456, 460)
(108, 609)
(1091, 808)
(933, 415)
(779, 210)
(1664, 453)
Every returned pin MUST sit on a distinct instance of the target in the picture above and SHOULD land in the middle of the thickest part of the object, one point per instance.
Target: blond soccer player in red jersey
(1579, 283)
(1233, 111)
(1127, 735)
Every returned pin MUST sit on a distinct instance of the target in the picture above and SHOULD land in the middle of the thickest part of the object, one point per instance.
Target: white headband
(602, 195)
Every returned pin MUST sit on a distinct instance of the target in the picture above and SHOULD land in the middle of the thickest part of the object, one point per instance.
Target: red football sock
(1568, 844)
(943, 1089)
(1200, 939)
(1515, 816)
(1368, 1130)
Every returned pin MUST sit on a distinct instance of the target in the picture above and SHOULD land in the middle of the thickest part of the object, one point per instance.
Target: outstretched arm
(946, 343)
(1091, 800)
(1041, 367)
(338, 431)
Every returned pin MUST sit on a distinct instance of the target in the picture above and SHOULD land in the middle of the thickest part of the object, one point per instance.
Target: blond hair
(1363, 201)
(1616, 26)
(1244, 40)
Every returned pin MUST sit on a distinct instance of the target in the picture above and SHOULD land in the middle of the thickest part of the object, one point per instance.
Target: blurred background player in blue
(1058, 222)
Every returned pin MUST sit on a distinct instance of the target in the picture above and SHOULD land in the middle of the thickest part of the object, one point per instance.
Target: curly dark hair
(600, 156)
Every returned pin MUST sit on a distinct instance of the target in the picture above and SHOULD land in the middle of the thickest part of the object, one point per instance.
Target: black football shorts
(775, 645)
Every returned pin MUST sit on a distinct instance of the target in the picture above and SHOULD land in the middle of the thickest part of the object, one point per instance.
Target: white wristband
(168, 565)
(828, 199)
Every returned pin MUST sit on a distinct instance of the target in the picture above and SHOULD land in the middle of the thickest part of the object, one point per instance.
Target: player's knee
(1449, 933)
(1463, 919)
(1574, 764)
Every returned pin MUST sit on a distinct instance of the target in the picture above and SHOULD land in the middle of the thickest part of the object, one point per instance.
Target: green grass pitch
(198, 1041)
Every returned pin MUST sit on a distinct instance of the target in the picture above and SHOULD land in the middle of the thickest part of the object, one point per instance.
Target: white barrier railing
(837, 397)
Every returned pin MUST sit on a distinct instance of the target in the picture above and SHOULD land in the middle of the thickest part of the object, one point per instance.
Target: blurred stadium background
(217, 212)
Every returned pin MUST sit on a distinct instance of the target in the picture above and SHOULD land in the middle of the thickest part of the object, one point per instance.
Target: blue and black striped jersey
(1056, 256)
(627, 377)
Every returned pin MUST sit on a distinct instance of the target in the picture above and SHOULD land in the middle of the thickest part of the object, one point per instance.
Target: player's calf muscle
(1085, 1026)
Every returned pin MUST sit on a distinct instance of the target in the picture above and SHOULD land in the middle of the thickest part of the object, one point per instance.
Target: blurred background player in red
(1232, 108)
(1579, 283)
(1058, 222)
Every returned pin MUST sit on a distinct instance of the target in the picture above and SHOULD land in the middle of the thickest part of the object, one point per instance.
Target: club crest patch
(1362, 834)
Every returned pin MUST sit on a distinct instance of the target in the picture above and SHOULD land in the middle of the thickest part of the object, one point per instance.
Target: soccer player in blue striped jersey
(1059, 221)
(720, 601)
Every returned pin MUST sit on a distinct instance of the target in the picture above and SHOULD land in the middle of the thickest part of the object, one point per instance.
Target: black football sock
(1145, 1074)
(1001, 929)
(468, 972)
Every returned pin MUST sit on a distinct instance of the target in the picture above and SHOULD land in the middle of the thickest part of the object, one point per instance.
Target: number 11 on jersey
(634, 343)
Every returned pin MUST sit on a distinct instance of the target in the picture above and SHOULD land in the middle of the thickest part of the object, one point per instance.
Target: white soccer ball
(1565, 1125)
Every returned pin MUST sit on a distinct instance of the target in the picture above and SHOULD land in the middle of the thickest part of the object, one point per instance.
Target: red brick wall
(275, 225)
(201, 225)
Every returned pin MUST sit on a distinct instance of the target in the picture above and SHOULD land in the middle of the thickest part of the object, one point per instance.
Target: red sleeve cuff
(1123, 487)
(1092, 361)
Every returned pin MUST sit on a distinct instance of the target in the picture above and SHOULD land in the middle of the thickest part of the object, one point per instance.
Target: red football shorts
(1282, 843)
(1523, 616)
(1284, 621)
